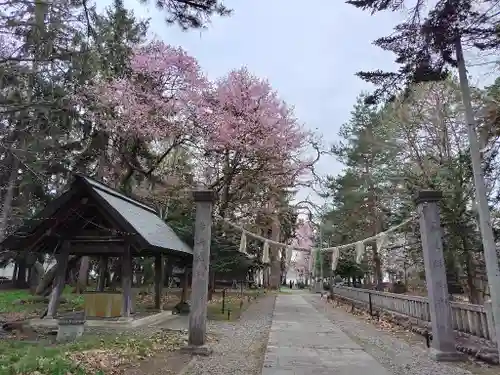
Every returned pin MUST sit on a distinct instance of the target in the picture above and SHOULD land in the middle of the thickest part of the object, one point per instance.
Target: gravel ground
(394, 353)
(240, 345)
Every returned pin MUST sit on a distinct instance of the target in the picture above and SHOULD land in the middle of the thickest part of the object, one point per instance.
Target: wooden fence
(467, 318)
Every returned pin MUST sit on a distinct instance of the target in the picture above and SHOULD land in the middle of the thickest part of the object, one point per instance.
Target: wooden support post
(103, 268)
(60, 280)
(185, 285)
(127, 281)
(14, 274)
(169, 269)
(158, 280)
(443, 337)
(201, 262)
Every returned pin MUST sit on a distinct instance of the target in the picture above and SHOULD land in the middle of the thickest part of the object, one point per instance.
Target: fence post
(370, 303)
(223, 300)
(443, 337)
(491, 322)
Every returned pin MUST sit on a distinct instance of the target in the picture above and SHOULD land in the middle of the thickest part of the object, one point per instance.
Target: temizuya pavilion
(91, 219)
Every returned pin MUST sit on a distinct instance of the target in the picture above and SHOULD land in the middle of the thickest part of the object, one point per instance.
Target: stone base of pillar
(440, 356)
(202, 350)
(125, 319)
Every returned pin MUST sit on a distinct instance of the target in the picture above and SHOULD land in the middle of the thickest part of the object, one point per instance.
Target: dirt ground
(169, 363)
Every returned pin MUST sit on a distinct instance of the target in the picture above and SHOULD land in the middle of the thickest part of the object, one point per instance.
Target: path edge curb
(185, 370)
(263, 359)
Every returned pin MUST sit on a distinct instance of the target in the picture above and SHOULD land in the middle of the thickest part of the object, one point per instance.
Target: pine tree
(367, 189)
(425, 44)
(189, 14)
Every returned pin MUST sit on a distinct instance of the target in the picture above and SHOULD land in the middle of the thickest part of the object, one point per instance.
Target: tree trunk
(83, 275)
(283, 266)
(372, 204)
(20, 282)
(265, 277)
(275, 271)
(46, 280)
(37, 272)
(377, 265)
(14, 274)
(475, 294)
(8, 198)
(275, 277)
(211, 284)
(467, 277)
(45, 285)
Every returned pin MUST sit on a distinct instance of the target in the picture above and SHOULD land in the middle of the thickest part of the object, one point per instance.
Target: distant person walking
(291, 284)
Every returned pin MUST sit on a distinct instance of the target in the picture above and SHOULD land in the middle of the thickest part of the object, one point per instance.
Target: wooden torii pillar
(204, 200)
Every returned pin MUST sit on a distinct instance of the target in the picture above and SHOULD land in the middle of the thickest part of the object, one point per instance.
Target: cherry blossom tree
(254, 143)
(158, 98)
(150, 110)
(254, 149)
(304, 238)
(251, 139)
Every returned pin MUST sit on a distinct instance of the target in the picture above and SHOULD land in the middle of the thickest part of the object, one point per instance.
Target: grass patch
(20, 304)
(21, 301)
(9, 297)
(92, 355)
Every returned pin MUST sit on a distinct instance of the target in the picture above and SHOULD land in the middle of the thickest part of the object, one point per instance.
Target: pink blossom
(238, 126)
(158, 99)
(247, 118)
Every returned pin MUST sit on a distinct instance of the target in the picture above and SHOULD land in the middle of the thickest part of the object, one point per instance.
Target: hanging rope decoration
(243, 243)
(335, 258)
(265, 252)
(307, 250)
(260, 238)
(381, 241)
(380, 238)
(360, 249)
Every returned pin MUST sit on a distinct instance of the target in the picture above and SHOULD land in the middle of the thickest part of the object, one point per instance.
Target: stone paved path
(302, 341)
(400, 352)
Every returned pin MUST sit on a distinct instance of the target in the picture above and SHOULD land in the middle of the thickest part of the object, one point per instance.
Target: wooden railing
(467, 318)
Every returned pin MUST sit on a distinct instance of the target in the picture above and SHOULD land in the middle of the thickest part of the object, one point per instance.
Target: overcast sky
(309, 51)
